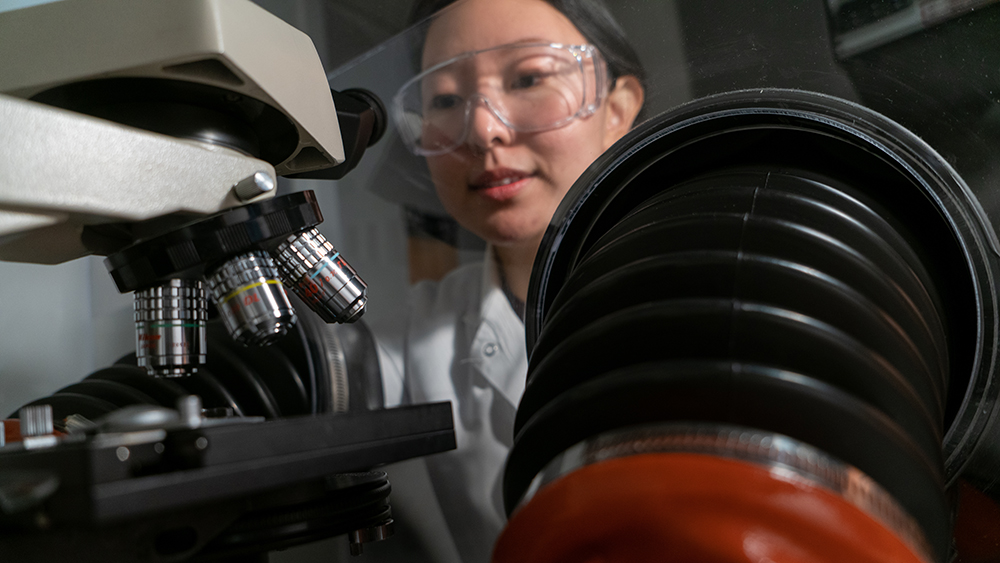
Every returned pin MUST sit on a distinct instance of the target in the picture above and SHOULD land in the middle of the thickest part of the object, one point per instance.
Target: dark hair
(591, 17)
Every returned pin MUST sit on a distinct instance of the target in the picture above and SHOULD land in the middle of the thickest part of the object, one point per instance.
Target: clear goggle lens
(529, 88)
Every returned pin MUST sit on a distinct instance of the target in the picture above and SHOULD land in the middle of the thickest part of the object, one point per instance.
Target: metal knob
(252, 186)
(36, 420)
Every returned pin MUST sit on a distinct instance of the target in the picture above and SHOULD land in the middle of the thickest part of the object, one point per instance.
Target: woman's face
(500, 184)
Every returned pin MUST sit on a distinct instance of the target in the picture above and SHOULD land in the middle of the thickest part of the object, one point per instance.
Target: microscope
(153, 133)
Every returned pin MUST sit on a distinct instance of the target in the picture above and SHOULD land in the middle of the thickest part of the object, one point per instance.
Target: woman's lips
(500, 184)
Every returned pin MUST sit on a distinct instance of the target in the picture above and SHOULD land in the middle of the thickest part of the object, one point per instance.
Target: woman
(516, 98)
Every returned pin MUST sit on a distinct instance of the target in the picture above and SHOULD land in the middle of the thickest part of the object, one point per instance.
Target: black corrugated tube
(315, 368)
(777, 260)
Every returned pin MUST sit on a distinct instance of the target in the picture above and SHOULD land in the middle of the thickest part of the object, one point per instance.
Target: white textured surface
(94, 171)
(272, 61)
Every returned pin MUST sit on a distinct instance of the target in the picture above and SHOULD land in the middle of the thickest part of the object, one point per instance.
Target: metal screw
(490, 349)
(122, 453)
(375, 533)
(201, 443)
(189, 407)
(252, 186)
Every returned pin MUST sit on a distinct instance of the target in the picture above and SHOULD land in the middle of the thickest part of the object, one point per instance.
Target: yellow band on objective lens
(246, 287)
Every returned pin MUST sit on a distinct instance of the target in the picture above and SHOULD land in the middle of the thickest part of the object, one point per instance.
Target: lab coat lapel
(497, 348)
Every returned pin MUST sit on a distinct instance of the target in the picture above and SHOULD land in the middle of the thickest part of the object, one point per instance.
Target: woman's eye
(445, 101)
(528, 80)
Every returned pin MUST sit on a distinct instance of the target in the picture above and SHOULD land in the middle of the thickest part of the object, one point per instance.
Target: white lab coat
(462, 343)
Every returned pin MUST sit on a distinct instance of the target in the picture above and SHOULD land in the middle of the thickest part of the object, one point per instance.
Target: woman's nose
(485, 127)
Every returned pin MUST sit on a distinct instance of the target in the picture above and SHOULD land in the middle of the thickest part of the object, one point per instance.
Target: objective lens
(251, 299)
(321, 277)
(170, 328)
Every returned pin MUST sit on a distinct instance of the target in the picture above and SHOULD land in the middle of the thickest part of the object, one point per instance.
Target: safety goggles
(528, 87)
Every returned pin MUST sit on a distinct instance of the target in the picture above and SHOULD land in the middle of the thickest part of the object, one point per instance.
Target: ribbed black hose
(293, 376)
(283, 379)
(766, 297)
(779, 260)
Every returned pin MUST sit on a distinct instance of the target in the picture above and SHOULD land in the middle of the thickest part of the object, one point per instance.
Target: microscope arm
(61, 171)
